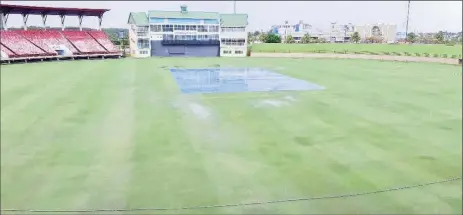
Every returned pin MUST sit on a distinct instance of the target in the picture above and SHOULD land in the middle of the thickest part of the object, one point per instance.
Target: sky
(425, 16)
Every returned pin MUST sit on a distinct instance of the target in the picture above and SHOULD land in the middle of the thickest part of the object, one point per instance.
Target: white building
(388, 32)
(339, 33)
(336, 32)
(233, 35)
(187, 33)
(297, 31)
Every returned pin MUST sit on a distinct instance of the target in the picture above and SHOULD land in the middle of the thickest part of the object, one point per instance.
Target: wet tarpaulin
(229, 80)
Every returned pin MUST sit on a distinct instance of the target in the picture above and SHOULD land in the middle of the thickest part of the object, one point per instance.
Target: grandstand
(40, 44)
(187, 33)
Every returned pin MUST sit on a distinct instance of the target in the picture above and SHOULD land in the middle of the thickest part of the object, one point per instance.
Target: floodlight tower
(406, 26)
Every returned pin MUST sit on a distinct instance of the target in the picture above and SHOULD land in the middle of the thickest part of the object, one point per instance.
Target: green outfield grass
(351, 48)
(119, 134)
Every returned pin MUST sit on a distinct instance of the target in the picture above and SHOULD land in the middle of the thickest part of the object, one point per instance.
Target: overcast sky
(425, 16)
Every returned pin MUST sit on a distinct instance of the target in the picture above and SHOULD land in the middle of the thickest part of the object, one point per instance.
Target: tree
(440, 37)
(355, 37)
(289, 39)
(263, 37)
(411, 37)
(250, 37)
(305, 38)
(256, 33)
(273, 38)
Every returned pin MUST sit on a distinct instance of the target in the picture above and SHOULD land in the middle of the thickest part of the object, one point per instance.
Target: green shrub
(444, 55)
(435, 55)
(426, 54)
(454, 56)
(418, 54)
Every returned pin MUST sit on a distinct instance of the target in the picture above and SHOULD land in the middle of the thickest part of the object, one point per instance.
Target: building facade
(336, 32)
(180, 33)
(387, 32)
(233, 35)
(296, 31)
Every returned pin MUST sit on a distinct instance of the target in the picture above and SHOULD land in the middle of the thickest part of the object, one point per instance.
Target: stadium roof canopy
(234, 20)
(34, 10)
(185, 15)
(138, 18)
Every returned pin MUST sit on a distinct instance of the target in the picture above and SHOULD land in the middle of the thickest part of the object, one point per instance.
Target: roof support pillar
(100, 19)
(44, 20)
(4, 17)
(80, 21)
(25, 17)
(63, 17)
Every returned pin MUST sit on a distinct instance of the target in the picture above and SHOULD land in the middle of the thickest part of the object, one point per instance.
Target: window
(202, 28)
(156, 28)
(179, 27)
(226, 51)
(186, 37)
(233, 29)
(143, 44)
(167, 37)
(233, 42)
(238, 52)
(142, 30)
(213, 28)
(167, 28)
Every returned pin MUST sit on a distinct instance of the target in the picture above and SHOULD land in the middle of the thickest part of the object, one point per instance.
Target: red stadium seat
(84, 42)
(20, 45)
(103, 39)
(56, 38)
(7, 51)
(35, 37)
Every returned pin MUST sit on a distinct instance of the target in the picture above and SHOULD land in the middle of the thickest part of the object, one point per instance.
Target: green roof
(138, 18)
(179, 14)
(234, 20)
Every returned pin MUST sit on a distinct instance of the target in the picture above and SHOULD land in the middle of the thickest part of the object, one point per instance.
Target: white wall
(388, 31)
(230, 51)
(3, 55)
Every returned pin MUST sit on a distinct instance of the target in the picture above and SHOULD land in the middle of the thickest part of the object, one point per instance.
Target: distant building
(339, 33)
(387, 32)
(336, 33)
(400, 36)
(297, 31)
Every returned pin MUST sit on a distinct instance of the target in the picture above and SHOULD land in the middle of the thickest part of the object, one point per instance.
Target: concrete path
(359, 56)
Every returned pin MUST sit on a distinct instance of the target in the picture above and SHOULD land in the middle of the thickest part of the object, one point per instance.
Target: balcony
(190, 42)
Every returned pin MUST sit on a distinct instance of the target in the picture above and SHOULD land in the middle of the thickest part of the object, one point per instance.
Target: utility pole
(408, 16)
(234, 7)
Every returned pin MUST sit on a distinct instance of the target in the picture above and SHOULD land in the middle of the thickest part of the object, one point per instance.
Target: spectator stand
(25, 45)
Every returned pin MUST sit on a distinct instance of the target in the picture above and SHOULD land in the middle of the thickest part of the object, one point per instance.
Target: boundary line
(340, 196)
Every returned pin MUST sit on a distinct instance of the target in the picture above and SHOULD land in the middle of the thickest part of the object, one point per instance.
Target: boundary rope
(232, 205)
